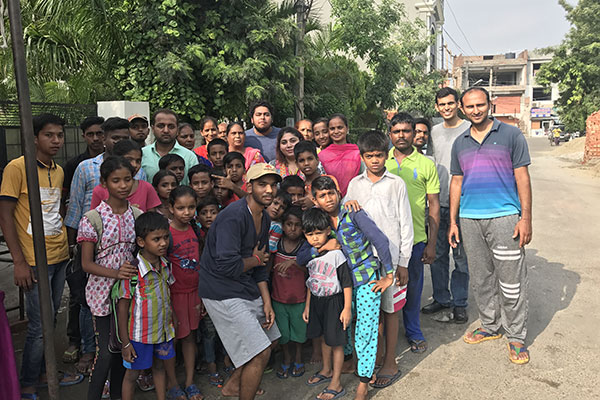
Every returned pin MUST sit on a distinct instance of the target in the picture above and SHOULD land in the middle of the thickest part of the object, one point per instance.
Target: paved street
(563, 313)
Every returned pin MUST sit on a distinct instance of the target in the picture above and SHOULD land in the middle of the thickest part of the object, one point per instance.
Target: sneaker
(433, 307)
(460, 315)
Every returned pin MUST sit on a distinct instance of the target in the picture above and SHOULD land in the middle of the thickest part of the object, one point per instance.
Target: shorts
(185, 307)
(146, 351)
(290, 322)
(394, 298)
(238, 323)
(324, 320)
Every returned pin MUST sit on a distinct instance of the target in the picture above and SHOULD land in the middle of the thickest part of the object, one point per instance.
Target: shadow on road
(551, 289)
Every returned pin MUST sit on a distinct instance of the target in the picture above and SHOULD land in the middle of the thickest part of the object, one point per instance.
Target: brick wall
(592, 137)
(508, 105)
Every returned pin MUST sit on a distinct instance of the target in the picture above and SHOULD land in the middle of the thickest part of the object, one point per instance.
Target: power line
(454, 41)
(459, 28)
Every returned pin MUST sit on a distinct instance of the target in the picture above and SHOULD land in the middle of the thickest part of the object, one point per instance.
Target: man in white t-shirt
(440, 147)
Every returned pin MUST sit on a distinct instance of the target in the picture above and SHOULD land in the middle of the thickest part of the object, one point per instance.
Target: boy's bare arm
(23, 273)
(127, 351)
(346, 316)
(434, 226)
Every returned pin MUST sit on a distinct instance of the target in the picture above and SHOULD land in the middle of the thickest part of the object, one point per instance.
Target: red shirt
(185, 260)
(288, 288)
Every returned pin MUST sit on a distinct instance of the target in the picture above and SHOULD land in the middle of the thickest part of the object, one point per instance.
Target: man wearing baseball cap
(233, 282)
(138, 128)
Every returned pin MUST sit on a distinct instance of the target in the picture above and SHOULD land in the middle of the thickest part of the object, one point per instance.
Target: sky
(498, 27)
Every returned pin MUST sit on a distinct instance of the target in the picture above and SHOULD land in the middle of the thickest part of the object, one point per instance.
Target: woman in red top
(209, 131)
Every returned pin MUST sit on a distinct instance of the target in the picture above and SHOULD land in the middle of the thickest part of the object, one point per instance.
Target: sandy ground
(563, 311)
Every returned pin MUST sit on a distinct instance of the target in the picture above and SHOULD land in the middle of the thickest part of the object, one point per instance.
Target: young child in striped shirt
(145, 316)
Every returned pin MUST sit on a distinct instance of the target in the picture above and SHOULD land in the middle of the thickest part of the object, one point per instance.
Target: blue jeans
(459, 284)
(86, 327)
(33, 351)
(411, 312)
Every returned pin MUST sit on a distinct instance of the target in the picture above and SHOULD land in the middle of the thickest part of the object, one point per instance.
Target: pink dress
(341, 161)
(144, 197)
(117, 245)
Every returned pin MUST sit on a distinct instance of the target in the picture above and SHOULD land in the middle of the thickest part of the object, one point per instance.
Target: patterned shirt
(85, 179)
(116, 247)
(150, 314)
(356, 232)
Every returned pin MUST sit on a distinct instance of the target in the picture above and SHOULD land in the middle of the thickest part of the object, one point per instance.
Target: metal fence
(10, 134)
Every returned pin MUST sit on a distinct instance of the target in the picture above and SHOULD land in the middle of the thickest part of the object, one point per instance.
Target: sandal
(85, 363)
(283, 373)
(336, 394)
(193, 392)
(70, 356)
(175, 393)
(417, 345)
(320, 379)
(517, 350)
(29, 396)
(106, 390)
(229, 370)
(216, 380)
(391, 379)
(145, 382)
(298, 370)
(67, 379)
(484, 336)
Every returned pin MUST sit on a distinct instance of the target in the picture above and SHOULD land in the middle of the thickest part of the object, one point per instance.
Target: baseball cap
(137, 116)
(261, 169)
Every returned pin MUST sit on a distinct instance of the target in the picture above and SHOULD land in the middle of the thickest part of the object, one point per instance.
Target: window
(541, 94)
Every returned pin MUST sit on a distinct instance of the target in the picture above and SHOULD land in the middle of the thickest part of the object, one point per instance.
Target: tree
(66, 61)
(393, 50)
(575, 65)
(208, 58)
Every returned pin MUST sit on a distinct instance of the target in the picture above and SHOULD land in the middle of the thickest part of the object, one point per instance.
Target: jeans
(459, 284)
(209, 339)
(411, 312)
(33, 351)
(80, 329)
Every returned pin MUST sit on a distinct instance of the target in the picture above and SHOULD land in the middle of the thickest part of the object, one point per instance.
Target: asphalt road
(564, 315)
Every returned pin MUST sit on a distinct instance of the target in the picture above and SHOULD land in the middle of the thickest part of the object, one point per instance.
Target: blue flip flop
(322, 379)
(30, 396)
(336, 395)
(79, 379)
(296, 368)
(192, 391)
(392, 379)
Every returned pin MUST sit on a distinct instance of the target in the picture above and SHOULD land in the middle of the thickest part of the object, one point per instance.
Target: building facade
(517, 98)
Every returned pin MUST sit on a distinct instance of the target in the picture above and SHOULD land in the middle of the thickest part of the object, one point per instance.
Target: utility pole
(301, 21)
(33, 189)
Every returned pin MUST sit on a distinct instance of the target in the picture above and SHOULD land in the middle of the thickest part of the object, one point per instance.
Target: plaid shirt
(356, 232)
(85, 179)
(150, 314)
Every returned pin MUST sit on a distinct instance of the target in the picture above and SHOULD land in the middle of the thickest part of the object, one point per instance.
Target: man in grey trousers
(491, 192)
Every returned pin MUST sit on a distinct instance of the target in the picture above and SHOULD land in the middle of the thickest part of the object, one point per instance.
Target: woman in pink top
(143, 195)
(340, 159)
(236, 138)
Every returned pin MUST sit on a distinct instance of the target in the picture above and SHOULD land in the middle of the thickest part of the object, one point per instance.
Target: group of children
(330, 265)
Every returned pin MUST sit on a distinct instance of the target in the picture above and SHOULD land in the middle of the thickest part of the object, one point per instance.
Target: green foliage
(393, 49)
(66, 61)
(575, 65)
(208, 57)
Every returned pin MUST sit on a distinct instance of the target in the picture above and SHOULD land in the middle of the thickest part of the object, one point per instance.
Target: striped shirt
(151, 314)
(355, 232)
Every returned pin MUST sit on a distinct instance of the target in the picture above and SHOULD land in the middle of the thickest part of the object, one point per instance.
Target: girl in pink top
(340, 159)
(143, 195)
(106, 262)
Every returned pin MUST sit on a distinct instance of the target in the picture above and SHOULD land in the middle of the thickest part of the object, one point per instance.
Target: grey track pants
(498, 274)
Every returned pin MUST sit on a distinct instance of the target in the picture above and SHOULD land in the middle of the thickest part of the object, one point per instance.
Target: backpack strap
(96, 220)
